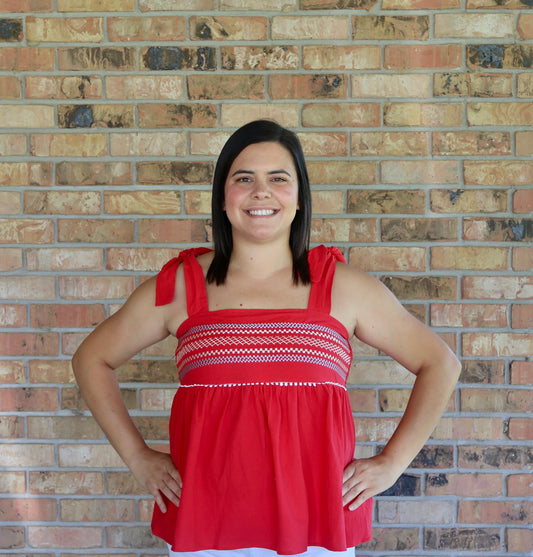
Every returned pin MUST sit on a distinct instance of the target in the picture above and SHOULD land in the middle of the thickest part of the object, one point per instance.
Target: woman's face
(261, 193)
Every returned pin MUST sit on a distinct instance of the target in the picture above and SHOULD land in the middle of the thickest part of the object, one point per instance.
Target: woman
(261, 431)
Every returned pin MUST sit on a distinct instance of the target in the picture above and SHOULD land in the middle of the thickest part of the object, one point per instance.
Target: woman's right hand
(158, 474)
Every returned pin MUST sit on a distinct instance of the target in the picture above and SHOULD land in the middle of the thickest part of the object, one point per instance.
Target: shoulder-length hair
(259, 131)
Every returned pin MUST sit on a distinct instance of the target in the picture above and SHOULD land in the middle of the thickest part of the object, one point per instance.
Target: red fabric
(261, 427)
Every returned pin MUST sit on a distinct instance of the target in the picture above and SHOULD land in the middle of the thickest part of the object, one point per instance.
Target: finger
(159, 501)
(172, 496)
(358, 501)
(348, 471)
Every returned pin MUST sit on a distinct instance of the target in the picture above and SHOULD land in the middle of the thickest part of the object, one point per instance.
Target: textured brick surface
(416, 117)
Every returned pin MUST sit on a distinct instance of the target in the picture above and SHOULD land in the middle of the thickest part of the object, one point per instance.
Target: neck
(260, 261)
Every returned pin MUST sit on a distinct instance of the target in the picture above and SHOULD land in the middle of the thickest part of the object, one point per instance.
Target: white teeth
(261, 212)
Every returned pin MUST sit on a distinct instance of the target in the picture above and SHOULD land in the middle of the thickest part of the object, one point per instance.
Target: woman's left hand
(363, 478)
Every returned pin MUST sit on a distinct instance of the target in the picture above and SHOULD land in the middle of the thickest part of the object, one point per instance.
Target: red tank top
(261, 426)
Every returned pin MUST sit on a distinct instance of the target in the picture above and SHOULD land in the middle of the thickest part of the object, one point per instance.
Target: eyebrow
(281, 171)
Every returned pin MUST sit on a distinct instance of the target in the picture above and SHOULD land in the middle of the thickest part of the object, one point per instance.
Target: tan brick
(159, 28)
(344, 230)
(418, 229)
(491, 4)
(9, 87)
(228, 28)
(500, 114)
(524, 144)
(218, 87)
(172, 231)
(12, 315)
(27, 231)
(95, 230)
(63, 87)
(510, 56)
(95, 58)
(390, 85)
(329, 57)
(468, 201)
(68, 145)
(389, 143)
(524, 87)
(27, 6)
(411, 57)
(472, 25)
(99, 116)
(420, 4)
(29, 116)
(198, 202)
(25, 174)
(10, 259)
(429, 512)
(522, 259)
(61, 203)
(463, 257)
(478, 429)
(506, 287)
(142, 202)
(168, 58)
(12, 372)
(24, 455)
(310, 27)
(468, 485)
(170, 5)
(525, 26)
(390, 28)
(342, 172)
(498, 344)
(9, 203)
(471, 143)
(172, 144)
(66, 483)
(138, 259)
(27, 59)
(419, 172)
(88, 456)
(95, 5)
(519, 539)
(235, 115)
(322, 86)
(473, 85)
(324, 144)
(331, 202)
(93, 173)
(469, 315)
(13, 144)
(69, 537)
(490, 512)
(422, 114)
(385, 201)
(97, 510)
(521, 373)
(497, 230)
(12, 482)
(95, 288)
(65, 29)
(391, 259)
(63, 427)
(512, 173)
(260, 57)
(144, 87)
(50, 371)
(340, 115)
(177, 115)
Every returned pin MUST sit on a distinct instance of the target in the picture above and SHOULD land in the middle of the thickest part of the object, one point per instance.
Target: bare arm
(136, 325)
(382, 322)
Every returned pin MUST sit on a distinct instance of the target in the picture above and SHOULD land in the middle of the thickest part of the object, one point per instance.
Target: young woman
(261, 431)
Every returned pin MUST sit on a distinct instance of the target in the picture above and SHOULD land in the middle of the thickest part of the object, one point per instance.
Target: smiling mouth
(261, 212)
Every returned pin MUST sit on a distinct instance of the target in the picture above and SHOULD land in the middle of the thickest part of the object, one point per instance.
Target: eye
(279, 179)
(244, 179)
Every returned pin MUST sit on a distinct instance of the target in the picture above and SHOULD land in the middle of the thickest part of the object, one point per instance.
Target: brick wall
(416, 117)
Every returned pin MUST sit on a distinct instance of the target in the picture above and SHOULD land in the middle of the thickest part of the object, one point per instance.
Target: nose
(261, 189)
